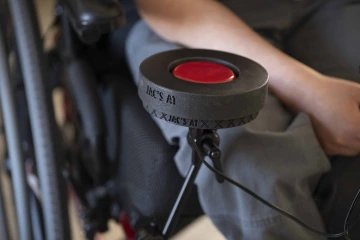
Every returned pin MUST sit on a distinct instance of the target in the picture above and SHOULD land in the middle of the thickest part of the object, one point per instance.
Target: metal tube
(14, 144)
(43, 125)
(186, 188)
(36, 217)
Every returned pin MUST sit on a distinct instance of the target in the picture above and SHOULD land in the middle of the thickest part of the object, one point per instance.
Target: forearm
(208, 24)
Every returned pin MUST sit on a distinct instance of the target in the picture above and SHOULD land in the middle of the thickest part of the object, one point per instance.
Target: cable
(277, 209)
(347, 219)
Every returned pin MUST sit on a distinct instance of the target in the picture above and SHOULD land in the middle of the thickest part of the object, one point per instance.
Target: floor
(202, 228)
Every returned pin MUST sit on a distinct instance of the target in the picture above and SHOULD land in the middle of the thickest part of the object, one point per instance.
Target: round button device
(204, 89)
(204, 72)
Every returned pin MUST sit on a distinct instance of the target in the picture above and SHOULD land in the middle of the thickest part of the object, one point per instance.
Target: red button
(204, 72)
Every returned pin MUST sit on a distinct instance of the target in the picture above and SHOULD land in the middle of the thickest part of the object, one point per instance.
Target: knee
(133, 43)
(142, 43)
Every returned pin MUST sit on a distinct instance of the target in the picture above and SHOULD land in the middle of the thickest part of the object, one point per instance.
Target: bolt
(215, 154)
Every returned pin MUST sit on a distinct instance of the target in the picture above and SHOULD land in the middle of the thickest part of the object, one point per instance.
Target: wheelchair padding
(148, 181)
(190, 99)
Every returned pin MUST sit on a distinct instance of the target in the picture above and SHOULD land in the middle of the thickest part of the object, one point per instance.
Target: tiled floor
(200, 229)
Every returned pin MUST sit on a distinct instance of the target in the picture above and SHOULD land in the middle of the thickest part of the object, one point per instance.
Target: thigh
(329, 41)
(252, 156)
(142, 43)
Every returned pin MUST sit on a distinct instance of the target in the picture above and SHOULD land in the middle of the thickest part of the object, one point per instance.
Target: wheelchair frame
(29, 143)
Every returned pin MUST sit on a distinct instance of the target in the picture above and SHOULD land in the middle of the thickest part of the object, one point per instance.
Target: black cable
(277, 209)
(347, 219)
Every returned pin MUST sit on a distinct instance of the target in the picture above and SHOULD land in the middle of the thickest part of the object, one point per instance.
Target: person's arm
(208, 24)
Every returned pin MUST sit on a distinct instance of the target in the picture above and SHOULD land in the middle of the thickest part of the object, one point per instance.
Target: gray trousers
(277, 155)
